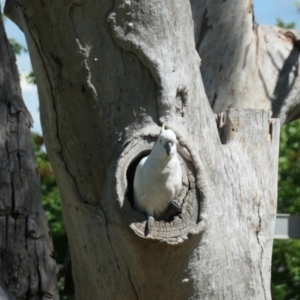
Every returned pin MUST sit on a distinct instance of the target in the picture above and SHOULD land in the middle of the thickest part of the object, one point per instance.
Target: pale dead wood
(245, 65)
(107, 81)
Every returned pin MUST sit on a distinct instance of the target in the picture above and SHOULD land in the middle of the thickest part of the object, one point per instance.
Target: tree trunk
(108, 75)
(26, 266)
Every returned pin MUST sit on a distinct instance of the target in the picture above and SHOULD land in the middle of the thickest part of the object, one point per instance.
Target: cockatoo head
(166, 145)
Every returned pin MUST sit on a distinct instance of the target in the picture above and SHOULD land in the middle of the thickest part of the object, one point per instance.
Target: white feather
(158, 177)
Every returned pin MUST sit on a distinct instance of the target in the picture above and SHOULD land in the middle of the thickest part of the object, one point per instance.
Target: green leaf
(16, 47)
(31, 78)
(281, 24)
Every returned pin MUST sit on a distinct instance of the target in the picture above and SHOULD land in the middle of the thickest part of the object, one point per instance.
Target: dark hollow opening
(130, 175)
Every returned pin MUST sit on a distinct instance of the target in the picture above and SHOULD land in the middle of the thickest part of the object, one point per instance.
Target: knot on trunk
(182, 225)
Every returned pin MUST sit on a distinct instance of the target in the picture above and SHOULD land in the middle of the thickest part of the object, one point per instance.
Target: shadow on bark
(284, 85)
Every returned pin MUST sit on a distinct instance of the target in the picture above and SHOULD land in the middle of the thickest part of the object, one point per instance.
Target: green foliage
(51, 204)
(286, 270)
(281, 24)
(31, 78)
(289, 169)
(285, 284)
(286, 253)
(16, 47)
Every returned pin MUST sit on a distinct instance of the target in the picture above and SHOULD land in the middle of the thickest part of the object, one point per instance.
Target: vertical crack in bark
(11, 171)
(270, 137)
(131, 282)
(262, 250)
(246, 54)
(261, 259)
(107, 234)
(108, 237)
(26, 233)
(18, 149)
(58, 145)
(12, 192)
(6, 233)
(38, 272)
(214, 100)
(45, 68)
(73, 178)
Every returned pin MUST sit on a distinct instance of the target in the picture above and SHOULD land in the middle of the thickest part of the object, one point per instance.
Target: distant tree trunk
(27, 270)
(109, 73)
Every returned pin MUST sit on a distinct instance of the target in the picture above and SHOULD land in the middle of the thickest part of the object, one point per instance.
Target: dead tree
(27, 270)
(109, 73)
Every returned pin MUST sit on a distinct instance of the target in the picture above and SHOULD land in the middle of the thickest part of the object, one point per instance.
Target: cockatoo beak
(168, 146)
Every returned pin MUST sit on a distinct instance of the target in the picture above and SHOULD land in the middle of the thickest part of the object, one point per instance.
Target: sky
(266, 13)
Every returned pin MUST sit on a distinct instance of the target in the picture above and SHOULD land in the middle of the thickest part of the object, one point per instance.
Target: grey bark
(109, 74)
(245, 65)
(27, 270)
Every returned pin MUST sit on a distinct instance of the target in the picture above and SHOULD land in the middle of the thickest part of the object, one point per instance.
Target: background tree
(51, 205)
(27, 268)
(49, 191)
(282, 109)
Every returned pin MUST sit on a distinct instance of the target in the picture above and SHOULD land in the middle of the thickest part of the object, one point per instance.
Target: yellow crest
(163, 128)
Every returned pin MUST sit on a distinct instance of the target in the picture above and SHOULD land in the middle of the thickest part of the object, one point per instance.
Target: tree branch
(245, 65)
(279, 57)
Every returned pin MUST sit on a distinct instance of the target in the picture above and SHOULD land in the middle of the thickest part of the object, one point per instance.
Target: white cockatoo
(158, 179)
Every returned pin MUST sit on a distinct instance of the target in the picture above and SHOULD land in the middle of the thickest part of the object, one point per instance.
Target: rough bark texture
(108, 74)
(27, 270)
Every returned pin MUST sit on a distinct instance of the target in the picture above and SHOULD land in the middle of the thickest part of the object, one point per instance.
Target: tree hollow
(178, 229)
